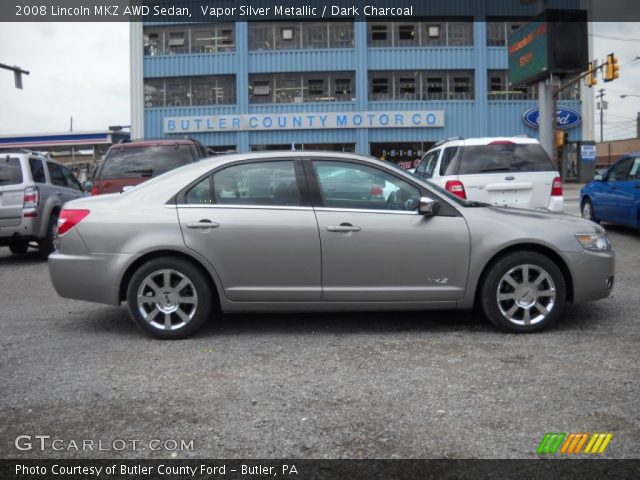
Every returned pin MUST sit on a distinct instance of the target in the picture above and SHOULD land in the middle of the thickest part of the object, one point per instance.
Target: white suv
(505, 171)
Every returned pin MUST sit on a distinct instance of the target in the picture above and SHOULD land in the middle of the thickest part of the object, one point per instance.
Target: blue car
(615, 196)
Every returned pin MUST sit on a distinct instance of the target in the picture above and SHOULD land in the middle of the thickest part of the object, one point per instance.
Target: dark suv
(128, 164)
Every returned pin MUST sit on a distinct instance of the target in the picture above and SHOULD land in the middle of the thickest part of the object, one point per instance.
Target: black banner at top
(185, 11)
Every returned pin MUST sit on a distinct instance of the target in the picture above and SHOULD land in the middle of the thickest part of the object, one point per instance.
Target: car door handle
(203, 224)
(343, 228)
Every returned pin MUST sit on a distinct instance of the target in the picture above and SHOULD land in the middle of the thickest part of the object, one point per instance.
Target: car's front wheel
(587, 211)
(523, 292)
(169, 298)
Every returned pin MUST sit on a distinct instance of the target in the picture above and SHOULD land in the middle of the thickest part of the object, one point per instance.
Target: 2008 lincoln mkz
(320, 231)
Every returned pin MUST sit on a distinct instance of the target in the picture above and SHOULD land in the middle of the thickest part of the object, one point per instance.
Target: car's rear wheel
(587, 211)
(19, 246)
(169, 298)
(523, 292)
(49, 243)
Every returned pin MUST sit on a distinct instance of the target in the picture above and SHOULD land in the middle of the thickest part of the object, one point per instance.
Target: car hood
(530, 215)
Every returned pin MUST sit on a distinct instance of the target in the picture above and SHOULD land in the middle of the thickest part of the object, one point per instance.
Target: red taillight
(456, 187)
(556, 189)
(69, 219)
(95, 191)
(377, 191)
(30, 202)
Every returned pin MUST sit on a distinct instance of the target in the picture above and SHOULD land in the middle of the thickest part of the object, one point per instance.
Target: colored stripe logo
(574, 443)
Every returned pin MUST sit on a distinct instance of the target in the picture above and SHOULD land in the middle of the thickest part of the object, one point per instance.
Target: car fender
(51, 203)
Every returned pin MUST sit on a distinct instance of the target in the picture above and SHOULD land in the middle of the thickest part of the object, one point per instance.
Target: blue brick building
(390, 88)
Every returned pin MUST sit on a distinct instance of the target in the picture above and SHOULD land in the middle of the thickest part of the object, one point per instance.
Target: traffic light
(561, 138)
(592, 79)
(611, 70)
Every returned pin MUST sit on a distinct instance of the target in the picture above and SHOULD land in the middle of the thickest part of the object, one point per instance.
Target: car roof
(153, 143)
(487, 141)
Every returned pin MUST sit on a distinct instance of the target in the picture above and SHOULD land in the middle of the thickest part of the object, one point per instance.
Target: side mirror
(87, 185)
(598, 177)
(428, 207)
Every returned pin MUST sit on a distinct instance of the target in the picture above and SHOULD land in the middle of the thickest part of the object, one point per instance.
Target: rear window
(504, 157)
(10, 171)
(145, 161)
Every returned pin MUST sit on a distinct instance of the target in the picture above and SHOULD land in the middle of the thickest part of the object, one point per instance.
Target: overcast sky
(82, 70)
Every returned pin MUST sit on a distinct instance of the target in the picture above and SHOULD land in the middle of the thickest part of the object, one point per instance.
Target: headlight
(597, 242)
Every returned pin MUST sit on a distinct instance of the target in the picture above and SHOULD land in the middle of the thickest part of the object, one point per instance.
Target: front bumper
(593, 274)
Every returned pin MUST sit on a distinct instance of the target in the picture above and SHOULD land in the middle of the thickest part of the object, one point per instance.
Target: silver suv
(33, 189)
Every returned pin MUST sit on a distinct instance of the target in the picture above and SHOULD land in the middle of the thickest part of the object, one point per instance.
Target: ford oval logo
(567, 118)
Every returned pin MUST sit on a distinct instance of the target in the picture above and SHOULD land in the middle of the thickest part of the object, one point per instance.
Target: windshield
(503, 157)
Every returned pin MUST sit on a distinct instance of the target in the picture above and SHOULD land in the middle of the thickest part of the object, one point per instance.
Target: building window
(408, 36)
(301, 87)
(499, 30)
(461, 86)
(314, 35)
(406, 87)
(340, 34)
(434, 34)
(261, 36)
(460, 34)
(153, 41)
(177, 92)
(306, 35)
(378, 35)
(342, 90)
(154, 92)
(190, 91)
(288, 37)
(499, 88)
(209, 38)
(381, 86)
(434, 86)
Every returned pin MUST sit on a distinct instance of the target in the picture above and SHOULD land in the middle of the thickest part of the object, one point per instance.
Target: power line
(614, 37)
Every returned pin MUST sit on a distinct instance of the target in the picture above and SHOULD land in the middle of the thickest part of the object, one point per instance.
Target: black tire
(19, 246)
(49, 243)
(587, 212)
(176, 315)
(542, 276)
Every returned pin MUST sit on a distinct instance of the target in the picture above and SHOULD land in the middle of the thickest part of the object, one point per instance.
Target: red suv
(128, 164)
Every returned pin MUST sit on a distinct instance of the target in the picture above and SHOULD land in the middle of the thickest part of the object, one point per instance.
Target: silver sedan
(320, 231)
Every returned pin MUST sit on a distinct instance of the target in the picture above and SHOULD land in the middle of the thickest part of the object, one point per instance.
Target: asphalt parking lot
(392, 385)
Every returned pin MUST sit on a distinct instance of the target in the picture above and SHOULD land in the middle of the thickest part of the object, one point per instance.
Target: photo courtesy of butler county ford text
(335, 239)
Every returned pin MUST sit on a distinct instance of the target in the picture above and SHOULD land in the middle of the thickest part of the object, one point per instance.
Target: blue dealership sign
(567, 118)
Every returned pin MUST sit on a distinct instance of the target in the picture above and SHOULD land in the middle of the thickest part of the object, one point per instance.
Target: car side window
(429, 164)
(71, 179)
(447, 156)
(357, 186)
(260, 183)
(56, 175)
(37, 170)
(201, 193)
(619, 171)
(634, 173)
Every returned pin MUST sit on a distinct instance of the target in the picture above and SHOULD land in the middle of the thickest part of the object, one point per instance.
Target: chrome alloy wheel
(526, 295)
(167, 299)
(587, 214)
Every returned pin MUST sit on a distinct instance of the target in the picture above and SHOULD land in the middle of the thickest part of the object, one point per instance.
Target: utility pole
(17, 73)
(602, 105)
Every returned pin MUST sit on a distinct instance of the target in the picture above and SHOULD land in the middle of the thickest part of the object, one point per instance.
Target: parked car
(615, 196)
(128, 164)
(197, 239)
(510, 171)
(33, 189)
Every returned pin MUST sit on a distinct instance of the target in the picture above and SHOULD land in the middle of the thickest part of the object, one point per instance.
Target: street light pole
(601, 106)
(17, 73)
